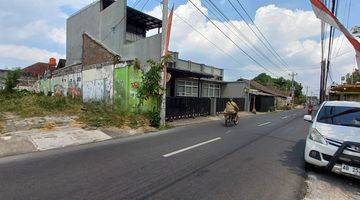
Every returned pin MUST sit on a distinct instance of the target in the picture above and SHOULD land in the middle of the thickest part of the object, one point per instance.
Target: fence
(183, 107)
(221, 104)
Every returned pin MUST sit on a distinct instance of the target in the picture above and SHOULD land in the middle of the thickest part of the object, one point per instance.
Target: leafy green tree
(12, 79)
(281, 84)
(150, 88)
(263, 79)
(353, 77)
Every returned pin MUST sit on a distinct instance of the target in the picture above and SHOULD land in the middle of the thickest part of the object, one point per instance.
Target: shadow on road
(293, 158)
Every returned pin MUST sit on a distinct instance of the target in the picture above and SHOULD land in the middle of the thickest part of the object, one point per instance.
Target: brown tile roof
(38, 68)
(257, 86)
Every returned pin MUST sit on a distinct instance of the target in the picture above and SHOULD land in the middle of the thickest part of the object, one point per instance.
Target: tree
(12, 79)
(150, 88)
(281, 84)
(353, 78)
(263, 79)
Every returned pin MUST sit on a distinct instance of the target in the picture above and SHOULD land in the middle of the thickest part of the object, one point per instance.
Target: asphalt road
(261, 158)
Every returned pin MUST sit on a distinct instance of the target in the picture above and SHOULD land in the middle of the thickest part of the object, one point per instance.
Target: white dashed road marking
(191, 147)
(227, 131)
(263, 124)
(284, 117)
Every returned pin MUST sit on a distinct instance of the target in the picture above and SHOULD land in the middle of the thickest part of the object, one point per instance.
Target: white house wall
(98, 84)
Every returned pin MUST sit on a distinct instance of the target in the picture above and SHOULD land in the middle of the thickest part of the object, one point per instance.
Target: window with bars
(211, 90)
(187, 88)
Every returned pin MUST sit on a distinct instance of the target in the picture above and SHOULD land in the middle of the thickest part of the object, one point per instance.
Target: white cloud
(58, 35)
(31, 31)
(291, 32)
(23, 32)
(28, 54)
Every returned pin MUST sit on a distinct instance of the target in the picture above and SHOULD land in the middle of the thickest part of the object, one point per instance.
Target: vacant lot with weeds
(25, 104)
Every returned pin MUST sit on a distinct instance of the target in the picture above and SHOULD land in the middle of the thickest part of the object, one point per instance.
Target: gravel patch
(329, 186)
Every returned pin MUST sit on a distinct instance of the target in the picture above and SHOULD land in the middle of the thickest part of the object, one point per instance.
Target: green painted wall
(45, 86)
(126, 82)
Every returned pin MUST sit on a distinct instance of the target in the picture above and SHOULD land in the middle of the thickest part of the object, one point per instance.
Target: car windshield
(340, 115)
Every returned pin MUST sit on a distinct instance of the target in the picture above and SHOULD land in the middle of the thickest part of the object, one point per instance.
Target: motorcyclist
(310, 108)
(231, 109)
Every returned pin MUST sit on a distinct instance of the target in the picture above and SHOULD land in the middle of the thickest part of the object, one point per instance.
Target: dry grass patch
(25, 104)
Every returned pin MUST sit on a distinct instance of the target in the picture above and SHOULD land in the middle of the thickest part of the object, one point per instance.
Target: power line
(144, 5)
(344, 13)
(136, 3)
(114, 27)
(347, 26)
(331, 40)
(237, 33)
(246, 38)
(242, 50)
(207, 39)
(271, 49)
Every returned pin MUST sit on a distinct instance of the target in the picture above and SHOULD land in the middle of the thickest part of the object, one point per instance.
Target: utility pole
(293, 74)
(306, 94)
(163, 74)
(325, 63)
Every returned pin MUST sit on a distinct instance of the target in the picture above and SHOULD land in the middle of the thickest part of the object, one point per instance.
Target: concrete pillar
(254, 107)
(247, 102)
(212, 106)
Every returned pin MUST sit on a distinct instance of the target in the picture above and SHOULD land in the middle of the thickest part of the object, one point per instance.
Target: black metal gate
(221, 104)
(183, 107)
(262, 103)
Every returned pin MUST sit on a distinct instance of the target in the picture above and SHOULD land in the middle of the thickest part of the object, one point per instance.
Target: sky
(34, 30)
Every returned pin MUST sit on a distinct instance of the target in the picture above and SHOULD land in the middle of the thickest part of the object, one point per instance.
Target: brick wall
(96, 53)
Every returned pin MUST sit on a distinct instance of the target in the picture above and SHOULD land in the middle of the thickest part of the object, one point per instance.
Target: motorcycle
(231, 119)
(310, 110)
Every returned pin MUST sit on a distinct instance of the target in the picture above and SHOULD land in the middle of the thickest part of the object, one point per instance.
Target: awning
(259, 93)
(142, 20)
(346, 88)
(179, 73)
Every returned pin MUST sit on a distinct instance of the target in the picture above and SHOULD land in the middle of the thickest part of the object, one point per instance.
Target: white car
(334, 138)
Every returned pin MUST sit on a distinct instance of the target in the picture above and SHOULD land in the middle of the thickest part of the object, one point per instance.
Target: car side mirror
(308, 118)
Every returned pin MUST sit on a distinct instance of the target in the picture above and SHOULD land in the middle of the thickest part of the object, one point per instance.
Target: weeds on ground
(27, 104)
(105, 115)
(93, 114)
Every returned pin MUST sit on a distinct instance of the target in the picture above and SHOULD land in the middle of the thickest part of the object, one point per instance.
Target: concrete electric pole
(293, 74)
(163, 74)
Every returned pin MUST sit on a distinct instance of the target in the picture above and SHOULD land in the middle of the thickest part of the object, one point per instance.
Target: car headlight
(316, 136)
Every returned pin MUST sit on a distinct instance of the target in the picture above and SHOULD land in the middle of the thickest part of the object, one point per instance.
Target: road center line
(191, 147)
(263, 124)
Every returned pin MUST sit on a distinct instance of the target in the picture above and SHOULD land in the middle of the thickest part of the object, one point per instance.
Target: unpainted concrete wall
(233, 90)
(196, 67)
(107, 26)
(143, 49)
